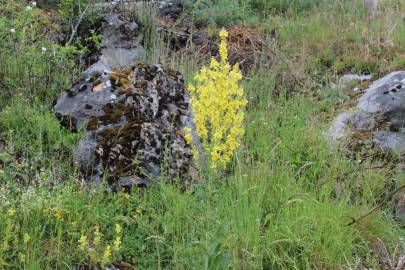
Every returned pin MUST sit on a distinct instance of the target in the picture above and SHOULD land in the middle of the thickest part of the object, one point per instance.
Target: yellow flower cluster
(58, 215)
(117, 241)
(99, 250)
(26, 238)
(11, 212)
(218, 103)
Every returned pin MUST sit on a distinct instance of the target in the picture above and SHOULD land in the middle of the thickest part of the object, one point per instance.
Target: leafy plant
(30, 64)
(282, 6)
(219, 12)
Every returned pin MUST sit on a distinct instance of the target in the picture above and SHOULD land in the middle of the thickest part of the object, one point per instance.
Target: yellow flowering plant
(99, 250)
(218, 102)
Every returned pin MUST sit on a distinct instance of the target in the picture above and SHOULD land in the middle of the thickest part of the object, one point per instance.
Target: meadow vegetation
(285, 200)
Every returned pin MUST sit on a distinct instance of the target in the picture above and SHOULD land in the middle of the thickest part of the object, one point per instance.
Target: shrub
(77, 16)
(220, 12)
(34, 130)
(282, 6)
(37, 149)
(29, 63)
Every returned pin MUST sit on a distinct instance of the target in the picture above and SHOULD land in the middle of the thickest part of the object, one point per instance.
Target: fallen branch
(346, 174)
(375, 208)
(74, 30)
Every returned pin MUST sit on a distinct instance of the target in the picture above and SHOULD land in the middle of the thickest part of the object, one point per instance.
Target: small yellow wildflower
(223, 33)
(187, 135)
(137, 213)
(214, 63)
(107, 254)
(46, 211)
(58, 215)
(125, 195)
(223, 52)
(27, 238)
(83, 242)
(117, 243)
(11, 212)
(118, 228)
(21, 257)
(97, 236)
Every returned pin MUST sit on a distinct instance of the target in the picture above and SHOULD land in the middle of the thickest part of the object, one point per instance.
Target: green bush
(30, 64)
(283, 6)
(37, 149)
(219, 12)
(34, 130)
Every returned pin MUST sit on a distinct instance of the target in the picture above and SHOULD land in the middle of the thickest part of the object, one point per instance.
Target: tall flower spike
(223, 34)
(218, 105)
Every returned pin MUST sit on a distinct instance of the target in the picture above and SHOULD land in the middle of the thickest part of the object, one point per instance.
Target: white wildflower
(12, 30)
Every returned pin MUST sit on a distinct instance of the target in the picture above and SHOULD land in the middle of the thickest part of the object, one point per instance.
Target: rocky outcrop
(133, 121)
(378, 119)
(133, 115)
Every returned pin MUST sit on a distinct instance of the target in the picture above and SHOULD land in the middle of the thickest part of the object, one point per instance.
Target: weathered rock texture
(121, 45)
(133, 121)
(378, 119)
(170, 8)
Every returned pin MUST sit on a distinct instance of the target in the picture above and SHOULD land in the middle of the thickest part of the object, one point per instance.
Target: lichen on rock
(133, 120)
(378, 120)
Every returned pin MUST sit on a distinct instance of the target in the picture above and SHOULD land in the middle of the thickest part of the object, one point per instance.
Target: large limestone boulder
(133, 121)
(378, 119)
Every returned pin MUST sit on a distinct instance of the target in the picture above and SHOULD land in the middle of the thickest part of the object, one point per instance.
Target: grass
(281, 208)
(285, 202)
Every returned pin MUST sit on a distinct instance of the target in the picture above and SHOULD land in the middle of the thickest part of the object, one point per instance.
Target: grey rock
(354, 77)
(390, 141)
(121, 45)
(384, 95)
(132, 128)
(347, 79)
(340, 128)
(170, 8)
(380, 111)
(84, 154)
